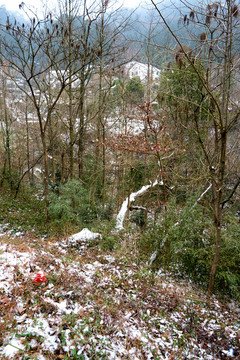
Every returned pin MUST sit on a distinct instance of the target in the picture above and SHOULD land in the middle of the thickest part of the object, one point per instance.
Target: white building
(134, 68)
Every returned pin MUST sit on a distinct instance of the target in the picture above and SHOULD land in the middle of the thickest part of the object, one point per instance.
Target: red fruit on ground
(40, 277)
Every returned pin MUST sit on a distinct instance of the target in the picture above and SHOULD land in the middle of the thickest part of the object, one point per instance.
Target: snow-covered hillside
(99, 306)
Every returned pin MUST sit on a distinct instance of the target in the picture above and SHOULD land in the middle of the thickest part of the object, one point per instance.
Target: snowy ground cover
(97, 306)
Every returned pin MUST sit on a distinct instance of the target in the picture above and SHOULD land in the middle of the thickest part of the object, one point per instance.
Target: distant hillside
(12, 15)
(146, 28)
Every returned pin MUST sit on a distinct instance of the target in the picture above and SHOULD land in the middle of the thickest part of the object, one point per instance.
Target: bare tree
(33, 51)
(111, 54)
(6, 128)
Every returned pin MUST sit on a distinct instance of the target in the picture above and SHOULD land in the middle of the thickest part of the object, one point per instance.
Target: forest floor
(99, 305)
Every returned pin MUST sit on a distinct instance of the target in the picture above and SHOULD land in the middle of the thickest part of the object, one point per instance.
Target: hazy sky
(14, 4)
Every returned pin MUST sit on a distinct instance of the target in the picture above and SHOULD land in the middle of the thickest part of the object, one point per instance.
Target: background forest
(97, 102)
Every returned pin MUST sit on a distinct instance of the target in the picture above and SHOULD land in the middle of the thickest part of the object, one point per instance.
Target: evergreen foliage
(71, 202)
(135, 90)
(185, 242)
(182, 91)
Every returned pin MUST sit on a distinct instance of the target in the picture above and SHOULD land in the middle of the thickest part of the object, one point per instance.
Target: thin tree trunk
(3, 172)
(28, 145)
(8, 146)
(71, 133)
(51, 139)
(46, 172)
(81, 127)
(62, 167)
(103, 166)
(217, 191)
(70, 93)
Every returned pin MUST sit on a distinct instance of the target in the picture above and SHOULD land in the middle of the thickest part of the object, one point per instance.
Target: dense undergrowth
(185, 243)
(70, 208)
(26, 212)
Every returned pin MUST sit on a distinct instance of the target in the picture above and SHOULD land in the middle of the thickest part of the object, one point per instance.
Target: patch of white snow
(83, 236)
(12, 348)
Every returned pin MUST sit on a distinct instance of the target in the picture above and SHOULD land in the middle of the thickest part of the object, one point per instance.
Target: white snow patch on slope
(12, 348)
(84, 235)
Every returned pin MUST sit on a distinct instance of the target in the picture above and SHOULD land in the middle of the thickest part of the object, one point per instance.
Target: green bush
(135, 90)
(27, 212)
(138, 217)
(70, 202)
(185, 240)
(69, 209)
(228, 274)
(10, 181)
(108, 243)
